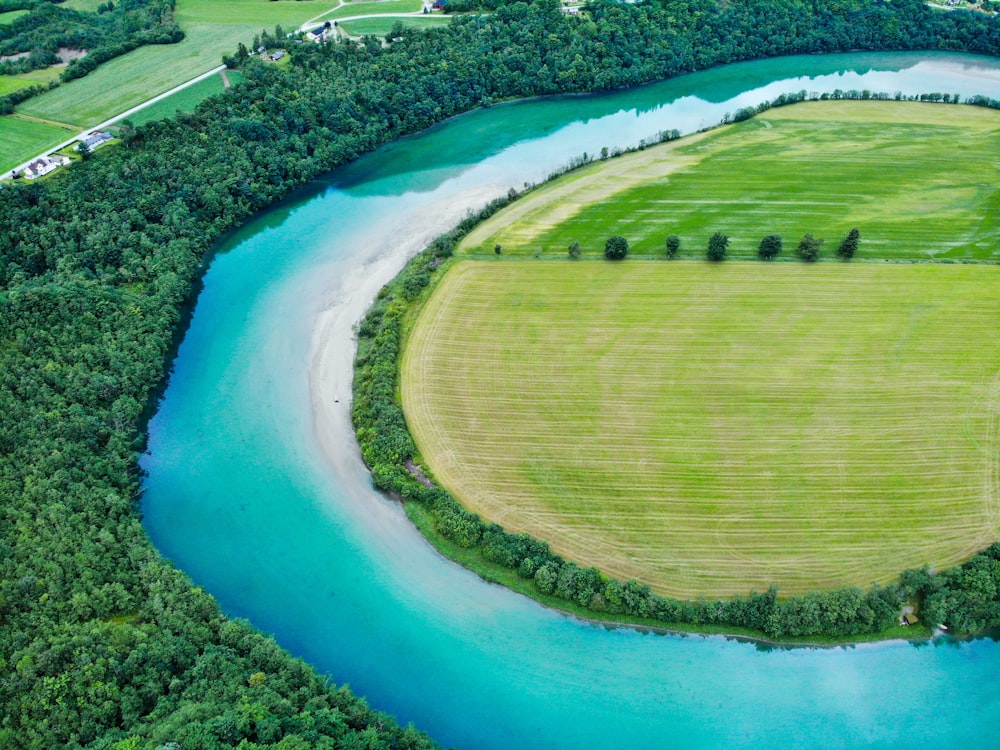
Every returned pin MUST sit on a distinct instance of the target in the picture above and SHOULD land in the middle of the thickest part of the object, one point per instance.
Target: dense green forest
(34, 39)
(103, 644)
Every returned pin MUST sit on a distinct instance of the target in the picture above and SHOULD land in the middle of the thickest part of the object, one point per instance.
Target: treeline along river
(255, 487)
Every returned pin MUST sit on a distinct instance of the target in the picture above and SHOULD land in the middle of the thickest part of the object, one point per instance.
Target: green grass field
(10, 16)
(709, 429)
(919, 180)
(186, 100)
(382, 26)
(377, 6)
(23, 139)
(10, 84)
(213, 28)
(84, 6)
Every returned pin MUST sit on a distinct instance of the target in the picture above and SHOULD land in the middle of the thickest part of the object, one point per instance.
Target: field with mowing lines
(212, 28)
(709, 429)
(23, 139)
(382, 26)
(185, 100)
(379, 6)
(919, 180)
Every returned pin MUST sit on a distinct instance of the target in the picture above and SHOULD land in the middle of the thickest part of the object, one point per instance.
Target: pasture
(382, 26)
(375, 7)
(10, 84)
(920, 180)
(185, 100)
(10, 16)
(715, 428)
(23, 139)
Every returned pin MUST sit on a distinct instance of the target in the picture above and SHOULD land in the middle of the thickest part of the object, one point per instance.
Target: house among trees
(321, 33)
(43, 165)
(95, 139)
(275, 56)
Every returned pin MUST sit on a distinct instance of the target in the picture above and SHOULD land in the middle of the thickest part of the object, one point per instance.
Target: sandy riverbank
(349, 296)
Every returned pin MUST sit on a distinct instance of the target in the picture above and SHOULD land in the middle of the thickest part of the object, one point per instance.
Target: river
(255, 487)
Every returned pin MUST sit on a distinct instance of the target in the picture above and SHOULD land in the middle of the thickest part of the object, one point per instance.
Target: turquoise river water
(255, 487)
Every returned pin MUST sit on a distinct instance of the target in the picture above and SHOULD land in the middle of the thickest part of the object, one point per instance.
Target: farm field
(212, 28)
(10, 84)
(919, 180)
(378, 6)
(185, 100)
(23, 139)
(382, 26)
(85, 6)
(715, 428)
(10, 16)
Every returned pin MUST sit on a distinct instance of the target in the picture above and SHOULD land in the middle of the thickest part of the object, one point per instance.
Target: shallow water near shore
(256, 489)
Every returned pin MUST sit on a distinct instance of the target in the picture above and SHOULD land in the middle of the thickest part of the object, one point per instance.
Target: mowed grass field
(185, 100)
(10, 16)
(919, 180)
(711, 429)
(382, 26)
(23, 139)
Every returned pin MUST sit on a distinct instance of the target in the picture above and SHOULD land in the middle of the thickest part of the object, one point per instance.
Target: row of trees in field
(616, 247)
(770, 247)
(103, 644)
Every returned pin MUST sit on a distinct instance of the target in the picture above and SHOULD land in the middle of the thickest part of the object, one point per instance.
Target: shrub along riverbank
(102, 641)
(964, 598)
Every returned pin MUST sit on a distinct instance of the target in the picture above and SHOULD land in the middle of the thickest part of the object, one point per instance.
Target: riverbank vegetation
(104, 644)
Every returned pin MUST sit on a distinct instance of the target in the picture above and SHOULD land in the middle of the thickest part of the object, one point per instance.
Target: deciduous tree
(673, 246)
(616, 247)
(718, 244)
(808, 248)
(770, 246)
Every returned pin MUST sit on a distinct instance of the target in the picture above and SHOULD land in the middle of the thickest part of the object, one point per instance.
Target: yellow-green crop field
(919, 180)
(716, 428)
(709, 429)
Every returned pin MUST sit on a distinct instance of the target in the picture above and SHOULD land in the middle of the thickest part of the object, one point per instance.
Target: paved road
(122, 116)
